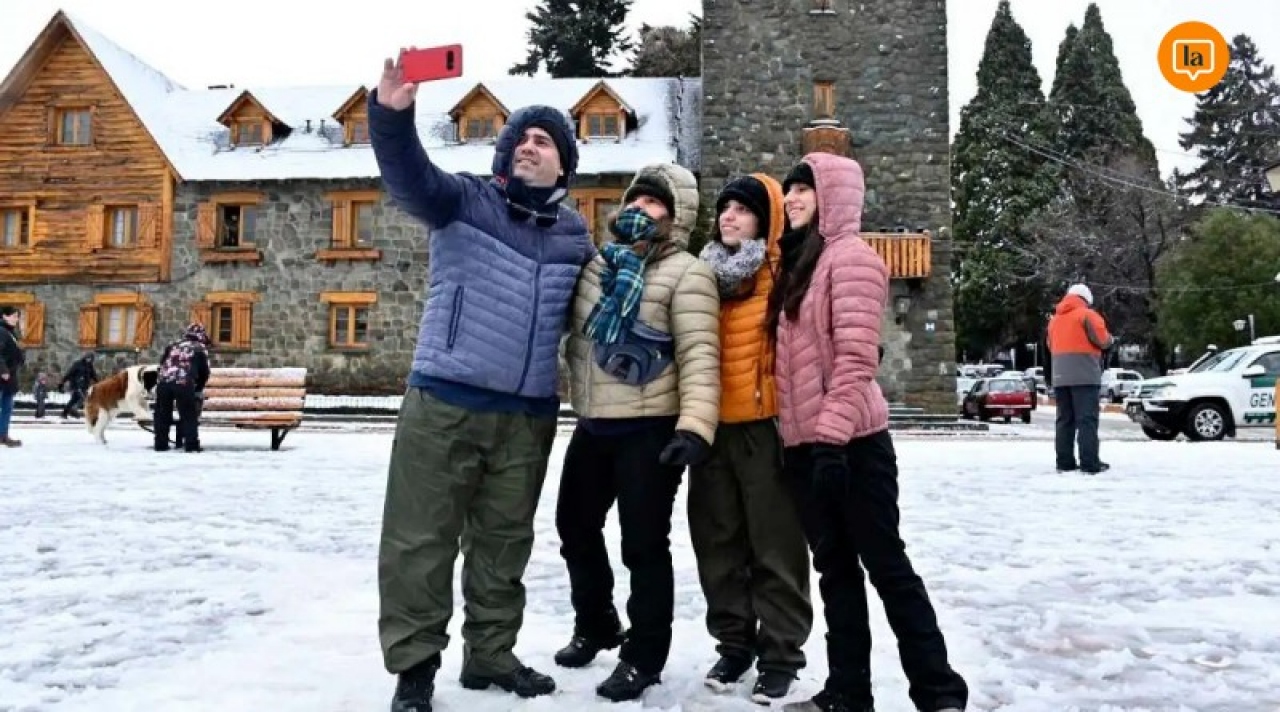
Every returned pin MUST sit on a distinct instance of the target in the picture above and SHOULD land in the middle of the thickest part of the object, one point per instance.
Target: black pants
(76, 399)
(168, 395)
(1077, 417)
(852, 523)
(599, 469)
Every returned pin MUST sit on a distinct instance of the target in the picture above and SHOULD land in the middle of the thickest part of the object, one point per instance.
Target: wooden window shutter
(33, 324)
(88, 326)
(201, 314)
(341, 224)
(33, 234)
(206, 226)
(148, 225)
(95, 234)
(242, 325)
(146, 326)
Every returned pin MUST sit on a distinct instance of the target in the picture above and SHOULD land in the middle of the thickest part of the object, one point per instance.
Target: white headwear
(1083, 292)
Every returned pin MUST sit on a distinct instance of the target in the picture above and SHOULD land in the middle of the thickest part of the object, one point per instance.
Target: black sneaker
(581, 651)
(523, 681)
(827, 702)
(728, 670)
(771, 685)
(626, 683)
(415, 687)
(1102, 467)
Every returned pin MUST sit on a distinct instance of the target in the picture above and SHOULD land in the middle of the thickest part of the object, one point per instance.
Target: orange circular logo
(1193, 57)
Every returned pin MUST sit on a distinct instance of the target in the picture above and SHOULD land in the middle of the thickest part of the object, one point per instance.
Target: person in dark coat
(41, 393)
(80, 376)
(11, 361)
(184, 370)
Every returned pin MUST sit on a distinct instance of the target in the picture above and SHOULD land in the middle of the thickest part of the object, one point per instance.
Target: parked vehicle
(1120, 383)
(1230, 390)
(1001, 397)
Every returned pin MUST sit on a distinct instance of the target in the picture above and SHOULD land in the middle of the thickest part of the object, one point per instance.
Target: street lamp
(1273, 177)
(1240, 325)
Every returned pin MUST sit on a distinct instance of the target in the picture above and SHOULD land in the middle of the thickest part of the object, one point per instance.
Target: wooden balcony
(908, 255)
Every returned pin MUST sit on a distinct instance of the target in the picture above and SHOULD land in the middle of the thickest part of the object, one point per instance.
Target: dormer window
(353, 115)
(602, 115)
(250, 123)
(478, 116)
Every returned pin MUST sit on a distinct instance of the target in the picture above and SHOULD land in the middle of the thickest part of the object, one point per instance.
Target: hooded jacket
(501, 278)
(679, 298)
(827, 358)
(1077, 336)
(746, 352)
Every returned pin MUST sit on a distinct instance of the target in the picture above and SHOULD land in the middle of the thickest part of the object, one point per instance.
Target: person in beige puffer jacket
(644, 379)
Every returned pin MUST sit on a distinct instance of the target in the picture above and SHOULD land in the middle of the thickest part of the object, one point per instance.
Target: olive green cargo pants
(458, 481)
(753, 560)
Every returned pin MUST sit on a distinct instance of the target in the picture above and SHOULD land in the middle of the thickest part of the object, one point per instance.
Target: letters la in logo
(1193, 57)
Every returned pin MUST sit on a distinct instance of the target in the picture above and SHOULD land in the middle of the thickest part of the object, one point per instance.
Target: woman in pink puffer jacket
(825, 313)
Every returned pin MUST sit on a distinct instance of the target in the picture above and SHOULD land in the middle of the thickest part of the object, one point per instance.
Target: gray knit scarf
(733, 268)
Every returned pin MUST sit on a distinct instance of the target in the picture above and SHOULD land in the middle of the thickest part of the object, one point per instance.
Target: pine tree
(996, 186)
(669, 51)
(1234, 132)
(575, 38)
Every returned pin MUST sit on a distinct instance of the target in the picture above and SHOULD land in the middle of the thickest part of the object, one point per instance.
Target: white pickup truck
(1230, 390)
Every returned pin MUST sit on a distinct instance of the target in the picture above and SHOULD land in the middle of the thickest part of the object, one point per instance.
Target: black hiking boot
(771, 685)
(728, 670)
(416, 686)
(523, 681)
(581, 651)
(827, 702)
(626, 683)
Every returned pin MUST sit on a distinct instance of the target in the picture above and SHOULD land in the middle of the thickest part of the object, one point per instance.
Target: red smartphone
(425, 65)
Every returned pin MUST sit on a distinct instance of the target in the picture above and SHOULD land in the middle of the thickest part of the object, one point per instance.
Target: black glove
(829, 463)
(685, 449)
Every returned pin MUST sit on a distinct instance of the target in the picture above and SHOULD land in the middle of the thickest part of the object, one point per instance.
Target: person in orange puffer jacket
(753, 561)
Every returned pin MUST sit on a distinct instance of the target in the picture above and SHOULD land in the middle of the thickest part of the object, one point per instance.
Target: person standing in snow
(11, 362)
(644, 364)
(80, 376)
(478, 419)
(41, 393)
(825, 313)
(184, 371)
(753, 562)
(1077, 337)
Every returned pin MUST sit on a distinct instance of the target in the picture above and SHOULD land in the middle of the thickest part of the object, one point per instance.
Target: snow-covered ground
(243, 579)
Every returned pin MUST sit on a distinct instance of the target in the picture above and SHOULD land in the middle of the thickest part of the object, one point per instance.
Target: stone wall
(888, 62)
(290, 323)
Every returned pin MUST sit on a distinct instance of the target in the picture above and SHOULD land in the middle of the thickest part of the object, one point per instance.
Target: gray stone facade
(888, 62)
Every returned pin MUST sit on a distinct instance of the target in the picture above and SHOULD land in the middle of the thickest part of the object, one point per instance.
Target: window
(247, 133)
(227, 228)
(122, 227)
(825, 7)
(228, 317)
(824, 100)
(349, 314)
(602, 126)
(355, 222)
(1270, 362)
(237, 225)
(73, 126)
(597, 205)
(357, 130)
(479, 128)
(117, 320)
(15, 228)
(30, 317)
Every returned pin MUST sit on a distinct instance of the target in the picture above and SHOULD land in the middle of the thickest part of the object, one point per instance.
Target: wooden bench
(253, 399)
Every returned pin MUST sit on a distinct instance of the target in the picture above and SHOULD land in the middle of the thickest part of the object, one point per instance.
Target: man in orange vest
(1077, 337)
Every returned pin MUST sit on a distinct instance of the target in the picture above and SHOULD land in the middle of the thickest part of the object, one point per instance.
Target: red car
(1000, 397)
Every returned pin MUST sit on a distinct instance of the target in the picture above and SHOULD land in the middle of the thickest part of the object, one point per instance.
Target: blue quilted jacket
(500, 282)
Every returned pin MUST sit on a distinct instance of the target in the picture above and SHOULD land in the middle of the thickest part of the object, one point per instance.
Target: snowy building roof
(184, 122)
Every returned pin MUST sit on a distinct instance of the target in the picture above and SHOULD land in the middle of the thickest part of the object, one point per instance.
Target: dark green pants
(753, 560)
(465, 481)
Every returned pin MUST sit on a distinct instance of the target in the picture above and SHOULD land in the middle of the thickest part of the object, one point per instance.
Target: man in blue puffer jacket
(475, 430)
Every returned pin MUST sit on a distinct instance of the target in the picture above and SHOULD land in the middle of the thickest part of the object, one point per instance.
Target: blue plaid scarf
(622, 279)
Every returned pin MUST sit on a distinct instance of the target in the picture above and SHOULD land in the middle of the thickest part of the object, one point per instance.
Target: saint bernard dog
(125, 392)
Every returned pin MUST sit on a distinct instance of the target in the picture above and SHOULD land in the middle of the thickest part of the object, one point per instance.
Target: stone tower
(871, 76)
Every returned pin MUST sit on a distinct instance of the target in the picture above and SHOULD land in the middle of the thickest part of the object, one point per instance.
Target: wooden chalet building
(130, 205)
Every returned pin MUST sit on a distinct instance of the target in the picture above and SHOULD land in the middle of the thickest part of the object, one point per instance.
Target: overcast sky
(254, 43)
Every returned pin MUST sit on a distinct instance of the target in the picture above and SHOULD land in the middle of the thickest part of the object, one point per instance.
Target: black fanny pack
(639, 357)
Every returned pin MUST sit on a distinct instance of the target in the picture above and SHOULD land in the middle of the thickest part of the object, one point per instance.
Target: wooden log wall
(907, 255)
